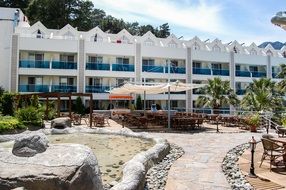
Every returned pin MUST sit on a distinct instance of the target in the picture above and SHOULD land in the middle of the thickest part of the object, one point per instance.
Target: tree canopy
(81, 14)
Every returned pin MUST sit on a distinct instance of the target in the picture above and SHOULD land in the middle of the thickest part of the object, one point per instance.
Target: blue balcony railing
(33, 88)
(123, 67)
(201, 71)
(63, 88)
(240, 91)
(64, 65)
(258, 74)
(242, 73)
(34, 64)
(97, 89)
(222, 72)
(98, 66)
(275, 75)
(152, 68)
(177, 70)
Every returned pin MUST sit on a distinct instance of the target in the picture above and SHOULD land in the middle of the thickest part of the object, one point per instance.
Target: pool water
(112, 151)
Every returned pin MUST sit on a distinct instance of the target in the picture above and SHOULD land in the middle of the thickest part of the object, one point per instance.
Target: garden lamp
(252, 144)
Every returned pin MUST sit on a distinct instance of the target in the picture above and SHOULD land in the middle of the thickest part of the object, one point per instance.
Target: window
(67, 58)
(216, 66)
(174, 63)
(68, 35)
(196, 46)
(235, 49)
(197, 64)
(216, 48)
(95, 59)
(148, 62)
(149, 42)
(269, 52)
(120, 81)
(237, 67)
(284, 54)
(121, 60)
(39, 34)
(172, 44)
(253, 68)
(253, 52)
(125, 40)
(66, 81)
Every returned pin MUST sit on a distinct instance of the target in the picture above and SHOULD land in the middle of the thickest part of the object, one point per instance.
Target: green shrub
(79, 107)
(7, 106)
(30, 116)
(139, 103)
(283, 119)
(8, 123)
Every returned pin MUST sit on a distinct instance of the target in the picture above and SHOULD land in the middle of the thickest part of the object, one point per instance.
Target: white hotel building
(37, 59)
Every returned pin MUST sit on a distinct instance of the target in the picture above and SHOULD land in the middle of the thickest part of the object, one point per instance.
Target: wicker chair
(271, 150)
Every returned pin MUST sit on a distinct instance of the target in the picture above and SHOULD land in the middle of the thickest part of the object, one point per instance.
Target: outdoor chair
(272, 150)
(76, 119)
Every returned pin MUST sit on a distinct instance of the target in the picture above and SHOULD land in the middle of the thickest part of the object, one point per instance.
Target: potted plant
(253, 122)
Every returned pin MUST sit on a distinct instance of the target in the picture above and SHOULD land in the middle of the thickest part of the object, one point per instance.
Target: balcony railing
(240, 91)
(98, 66)
(34, 64)
(222, 72)
(258, 74)
(123, 67)
(63, 88)
(152, 68)
(97, 89)
(201, 71)
(177, 70)
(275, 75)
(64, 65)
(242, 73)
(33, 88)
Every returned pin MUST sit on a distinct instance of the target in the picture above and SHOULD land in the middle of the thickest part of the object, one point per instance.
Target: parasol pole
(169, 98)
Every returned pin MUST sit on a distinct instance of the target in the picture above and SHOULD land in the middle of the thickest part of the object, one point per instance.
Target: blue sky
(246, 21)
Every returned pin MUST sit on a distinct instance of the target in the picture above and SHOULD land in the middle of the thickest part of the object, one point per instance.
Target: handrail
(271, 124)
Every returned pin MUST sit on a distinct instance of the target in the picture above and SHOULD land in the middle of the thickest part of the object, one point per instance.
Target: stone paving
(200, 166)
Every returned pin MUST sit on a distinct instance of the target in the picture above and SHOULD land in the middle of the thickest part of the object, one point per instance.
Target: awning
(129, 88)
(120, 97)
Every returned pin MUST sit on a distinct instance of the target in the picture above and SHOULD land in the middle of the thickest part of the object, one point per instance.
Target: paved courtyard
(200, 166)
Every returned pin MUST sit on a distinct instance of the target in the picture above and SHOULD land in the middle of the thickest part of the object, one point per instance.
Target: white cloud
(199, 16)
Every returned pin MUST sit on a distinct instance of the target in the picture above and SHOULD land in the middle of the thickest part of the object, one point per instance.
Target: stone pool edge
(134, 170)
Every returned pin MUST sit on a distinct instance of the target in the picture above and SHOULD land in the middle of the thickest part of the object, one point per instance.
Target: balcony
(98, 66)
(221, 72)
(258, 74)
(152, 68)
(63, 88)
(201, 71)
(64, 65)
(34, 64)
(275, 75)
(33, 88)
(97, 89)
(240, 91)
(123, 67)
(242, 73)
(177, 70)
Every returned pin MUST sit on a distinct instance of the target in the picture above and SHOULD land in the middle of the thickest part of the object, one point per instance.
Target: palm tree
(262, 95)
(218, 93)
(282, 74)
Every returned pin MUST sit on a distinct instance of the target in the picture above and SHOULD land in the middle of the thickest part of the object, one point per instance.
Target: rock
(61, 122)
(113, 183)
(30, 145)
(61, 166)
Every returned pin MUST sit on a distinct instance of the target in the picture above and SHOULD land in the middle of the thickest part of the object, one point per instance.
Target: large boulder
(61, 167)
(61, 122)
(30, 145)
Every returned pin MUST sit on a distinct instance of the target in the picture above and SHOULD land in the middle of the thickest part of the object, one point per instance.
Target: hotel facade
(37, 59)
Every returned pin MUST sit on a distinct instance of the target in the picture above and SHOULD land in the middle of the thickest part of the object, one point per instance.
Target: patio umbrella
(158, 88)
